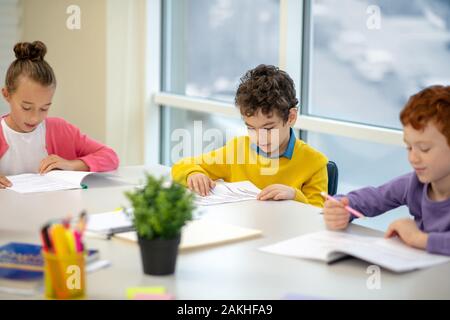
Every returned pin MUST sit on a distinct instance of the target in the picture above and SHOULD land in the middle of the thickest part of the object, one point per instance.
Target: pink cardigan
(66, 140)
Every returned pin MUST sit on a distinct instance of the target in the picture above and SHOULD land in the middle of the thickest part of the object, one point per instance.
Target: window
(207, 47)
(369, 56)
(197, 132)
(210, 43)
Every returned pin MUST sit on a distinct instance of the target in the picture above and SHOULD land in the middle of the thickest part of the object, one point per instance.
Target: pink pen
(78, 244)
(348, 208)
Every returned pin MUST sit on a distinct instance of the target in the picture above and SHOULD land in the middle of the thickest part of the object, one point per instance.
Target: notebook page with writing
(30, 182)
(52, 181)
(311, 246)
(395, 255)
(226, 192)
(391, 254)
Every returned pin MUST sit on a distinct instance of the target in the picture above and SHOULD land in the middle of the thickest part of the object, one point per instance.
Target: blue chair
(333, 176)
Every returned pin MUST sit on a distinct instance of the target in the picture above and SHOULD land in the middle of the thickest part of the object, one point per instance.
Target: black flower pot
(159, 256)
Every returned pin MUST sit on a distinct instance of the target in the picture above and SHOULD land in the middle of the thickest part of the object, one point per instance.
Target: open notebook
(51, 181)
(204, 233)
(330, 246)
(226, 192)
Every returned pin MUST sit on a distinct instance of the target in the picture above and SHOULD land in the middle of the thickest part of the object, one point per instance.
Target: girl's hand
(200, 183)
(335, 215)
(4, 182)
(406, 229)
(277, 192)
(53, 162)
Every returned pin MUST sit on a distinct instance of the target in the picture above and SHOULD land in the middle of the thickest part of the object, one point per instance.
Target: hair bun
(30, 51)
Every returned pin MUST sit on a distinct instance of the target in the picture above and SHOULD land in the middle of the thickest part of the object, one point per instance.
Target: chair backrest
(333, 176)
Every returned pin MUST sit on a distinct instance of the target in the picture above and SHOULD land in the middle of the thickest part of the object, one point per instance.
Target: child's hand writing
(4, 182)
(407, 230)
(335, 215)
(200, 183)
(55, 162)
(277, 192)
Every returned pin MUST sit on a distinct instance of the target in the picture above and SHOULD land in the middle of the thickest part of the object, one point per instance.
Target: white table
(232, 271)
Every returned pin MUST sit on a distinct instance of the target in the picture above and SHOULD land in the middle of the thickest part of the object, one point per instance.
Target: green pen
(84, 186)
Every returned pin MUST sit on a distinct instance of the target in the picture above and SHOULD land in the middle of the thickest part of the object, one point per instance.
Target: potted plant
(161, 209)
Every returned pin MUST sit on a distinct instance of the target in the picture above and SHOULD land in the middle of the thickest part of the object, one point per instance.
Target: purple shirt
(432, 217)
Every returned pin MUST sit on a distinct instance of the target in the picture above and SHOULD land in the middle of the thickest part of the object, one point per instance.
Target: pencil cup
(64, 276)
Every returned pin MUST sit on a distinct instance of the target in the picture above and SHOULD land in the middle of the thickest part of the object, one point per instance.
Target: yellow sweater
(306, 171)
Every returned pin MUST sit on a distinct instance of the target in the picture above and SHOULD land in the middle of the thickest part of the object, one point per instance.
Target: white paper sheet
(109, 222)
(204, 233)
(52, 181)
(391, 254)
(225, 192)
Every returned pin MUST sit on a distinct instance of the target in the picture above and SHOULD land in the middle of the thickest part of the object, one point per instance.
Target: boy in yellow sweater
(271, 157)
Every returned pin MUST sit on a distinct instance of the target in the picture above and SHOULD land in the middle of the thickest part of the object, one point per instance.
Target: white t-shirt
(25, 152)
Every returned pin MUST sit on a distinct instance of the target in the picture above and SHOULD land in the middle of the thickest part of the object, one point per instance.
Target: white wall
(10, 33)
(125, 78)
(99, 68)
(77, 57)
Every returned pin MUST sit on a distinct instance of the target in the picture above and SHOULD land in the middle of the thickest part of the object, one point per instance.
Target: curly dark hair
(266, 88)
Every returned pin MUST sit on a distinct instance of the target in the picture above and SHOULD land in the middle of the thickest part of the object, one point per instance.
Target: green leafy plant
(161, 208)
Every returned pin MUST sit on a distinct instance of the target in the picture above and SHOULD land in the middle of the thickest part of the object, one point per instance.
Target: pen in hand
(348, 208)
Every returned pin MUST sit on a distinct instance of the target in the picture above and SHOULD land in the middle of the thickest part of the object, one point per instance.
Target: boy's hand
(4, 182)
(335, 215)
(55, 162)
(200, 183)
(277, 192)
(407, 230)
